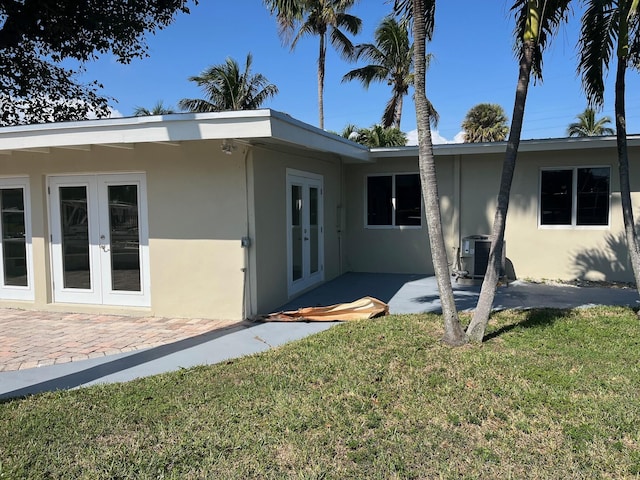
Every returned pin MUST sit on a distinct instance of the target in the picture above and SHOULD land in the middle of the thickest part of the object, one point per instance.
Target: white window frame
(13, 292)
(393, 225)
(574, 200)
(100, 293)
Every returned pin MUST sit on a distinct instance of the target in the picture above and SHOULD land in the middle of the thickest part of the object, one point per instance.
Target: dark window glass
(14, 246)
(125, 238)
(75, 237)
(593, 196)
(408, 200)
(556, 197)
(379, 206)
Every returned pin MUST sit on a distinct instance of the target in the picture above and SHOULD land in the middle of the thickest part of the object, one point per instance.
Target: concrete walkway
(208, 343)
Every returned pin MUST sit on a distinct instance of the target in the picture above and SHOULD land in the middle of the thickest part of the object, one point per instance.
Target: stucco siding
(270, 196)
(196, 217)
(393, 249)
(593, 253)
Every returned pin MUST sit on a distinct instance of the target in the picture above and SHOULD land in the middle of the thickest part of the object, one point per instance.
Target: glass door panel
(314, 231)
(124, 238)
(74, 219)
(296, 232)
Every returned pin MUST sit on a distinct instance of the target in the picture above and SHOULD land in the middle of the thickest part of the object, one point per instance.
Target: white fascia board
(290, 130)
(546, 145)
(164, 128)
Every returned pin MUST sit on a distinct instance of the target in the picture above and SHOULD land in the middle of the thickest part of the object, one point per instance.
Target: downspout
(457, 213)
(246, 244)
(339, 222)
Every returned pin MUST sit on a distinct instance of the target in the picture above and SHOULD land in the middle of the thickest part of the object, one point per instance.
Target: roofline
(254, 127)
(249, 125)
(533, 145)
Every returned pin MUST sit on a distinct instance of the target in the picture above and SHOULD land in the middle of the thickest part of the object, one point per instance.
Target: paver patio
(31, 339)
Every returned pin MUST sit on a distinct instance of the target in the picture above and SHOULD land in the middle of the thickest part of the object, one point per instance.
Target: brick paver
(31, 339)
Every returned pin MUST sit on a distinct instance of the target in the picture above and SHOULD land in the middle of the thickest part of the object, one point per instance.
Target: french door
(99, 239)
(305, 235)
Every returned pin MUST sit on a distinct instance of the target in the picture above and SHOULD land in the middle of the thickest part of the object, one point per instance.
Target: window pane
(408, 200)
(75, 237)
(555, 197)
(125, 238)
(379, 207)
(314, 230)
(14, 247)
(593, 196)
(296, 232)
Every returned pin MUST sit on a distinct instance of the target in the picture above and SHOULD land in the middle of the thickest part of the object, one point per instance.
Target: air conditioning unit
(474, 257)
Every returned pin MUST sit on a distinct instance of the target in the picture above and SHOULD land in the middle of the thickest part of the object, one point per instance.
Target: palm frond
(548, 15)
(367, 74)
(597, 46)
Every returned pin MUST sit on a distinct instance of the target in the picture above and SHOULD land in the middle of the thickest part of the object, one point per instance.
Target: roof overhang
(544, 145)
(258, 127)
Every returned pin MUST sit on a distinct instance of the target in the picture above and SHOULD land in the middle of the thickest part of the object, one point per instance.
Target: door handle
(103, 246)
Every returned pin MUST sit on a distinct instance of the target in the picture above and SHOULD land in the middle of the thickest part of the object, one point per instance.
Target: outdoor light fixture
(227, 146)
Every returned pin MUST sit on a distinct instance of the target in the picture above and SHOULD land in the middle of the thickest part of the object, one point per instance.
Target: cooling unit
(474, 257)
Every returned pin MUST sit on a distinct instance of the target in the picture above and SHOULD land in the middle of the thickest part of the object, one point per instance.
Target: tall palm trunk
(478, 325)
(623, 168)
(398, 113)
(453, 332)
(321, 62)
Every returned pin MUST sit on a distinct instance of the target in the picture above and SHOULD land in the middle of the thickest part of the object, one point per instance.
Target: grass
(551, 394)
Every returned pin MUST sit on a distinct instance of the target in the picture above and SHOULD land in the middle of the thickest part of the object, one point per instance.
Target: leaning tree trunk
(478, 325)
(623, 168)
(321, 62)
(397, 116)
(453, 332)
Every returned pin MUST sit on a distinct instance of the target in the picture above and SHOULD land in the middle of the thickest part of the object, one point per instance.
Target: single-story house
(227, 215)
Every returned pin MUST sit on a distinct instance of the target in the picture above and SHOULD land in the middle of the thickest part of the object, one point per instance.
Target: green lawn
(551, 394)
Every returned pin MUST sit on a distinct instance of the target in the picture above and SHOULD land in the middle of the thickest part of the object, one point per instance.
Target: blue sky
(473, 63)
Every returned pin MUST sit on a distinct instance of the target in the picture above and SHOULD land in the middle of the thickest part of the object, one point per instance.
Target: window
(15, 251)
(575, 196)
(394, 200)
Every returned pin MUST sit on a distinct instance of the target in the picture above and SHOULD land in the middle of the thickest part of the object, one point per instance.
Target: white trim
(100, 291)
(306, 181)
(574, 200)
(393, 225)
(251, 126)
(12, 292)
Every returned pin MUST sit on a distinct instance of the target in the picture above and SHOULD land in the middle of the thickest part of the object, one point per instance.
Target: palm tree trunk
(478, 325)
(623, 168)
(321, 63)
(453, 332)
(398, 113)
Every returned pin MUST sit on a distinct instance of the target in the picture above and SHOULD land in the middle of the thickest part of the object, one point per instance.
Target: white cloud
(436, 138)
(113, 113)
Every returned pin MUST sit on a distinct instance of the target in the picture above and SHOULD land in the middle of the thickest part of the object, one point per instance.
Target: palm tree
(228, 88)
(157, 109)
(588, 126)
(376, 137)
(611, 30)
(392, 62)
(423, 14)
(323, 18)
(486, 122)
(536, 23)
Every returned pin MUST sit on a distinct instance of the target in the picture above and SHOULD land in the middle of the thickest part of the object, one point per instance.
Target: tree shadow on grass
(535, 318)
